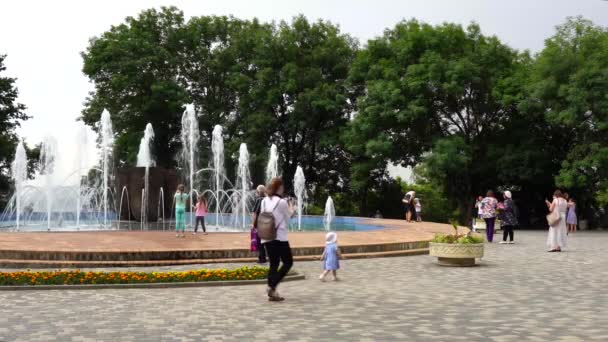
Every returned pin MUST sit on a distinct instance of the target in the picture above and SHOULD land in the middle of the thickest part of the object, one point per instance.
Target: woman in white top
(278, 250)
(557, 232)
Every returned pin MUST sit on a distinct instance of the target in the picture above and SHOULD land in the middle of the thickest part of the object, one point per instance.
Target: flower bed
(78, 277)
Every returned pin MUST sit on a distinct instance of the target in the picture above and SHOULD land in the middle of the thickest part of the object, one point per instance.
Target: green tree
(135, 68)
(435, 93)
(570, 86)
(298, 98)
(12, 114)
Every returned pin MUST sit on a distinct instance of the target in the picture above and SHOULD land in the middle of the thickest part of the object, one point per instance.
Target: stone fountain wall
(133, 179)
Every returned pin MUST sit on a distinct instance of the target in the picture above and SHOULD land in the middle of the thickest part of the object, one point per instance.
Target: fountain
(190, 136)
(299, 184)
(19, 173)
(217, 149)
(48, 155)
(107, 142)
(272, 168)
(81, 165)
(145, 159)
(330, 213)
(242, 184)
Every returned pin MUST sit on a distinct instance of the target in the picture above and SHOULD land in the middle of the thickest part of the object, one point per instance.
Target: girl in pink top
(201, 211)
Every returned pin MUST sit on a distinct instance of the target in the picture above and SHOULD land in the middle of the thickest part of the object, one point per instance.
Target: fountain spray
(145, 159)
(242, 181)
(81, 164)
(19, 173)
(48, 156)
(217, 149)
(107, 141)
(190, 136)
(330, 213)
(299, 184)
(272, 168)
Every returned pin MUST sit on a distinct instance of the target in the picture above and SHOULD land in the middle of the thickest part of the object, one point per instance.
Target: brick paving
(519, 293)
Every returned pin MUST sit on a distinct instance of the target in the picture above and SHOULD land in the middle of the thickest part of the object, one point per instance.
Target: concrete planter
(455, 254)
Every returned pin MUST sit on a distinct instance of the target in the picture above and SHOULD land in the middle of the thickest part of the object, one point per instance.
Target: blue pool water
(92, 221)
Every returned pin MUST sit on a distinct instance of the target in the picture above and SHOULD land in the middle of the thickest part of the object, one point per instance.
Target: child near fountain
(331, 256)
(201, 211)
(180, 211)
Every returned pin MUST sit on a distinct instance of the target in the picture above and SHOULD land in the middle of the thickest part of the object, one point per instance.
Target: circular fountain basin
(228, 223)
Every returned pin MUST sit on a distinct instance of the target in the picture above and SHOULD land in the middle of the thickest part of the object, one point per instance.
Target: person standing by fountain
(408, 200)
(278, 249)
(201, 212)
(260, 193)
(180, 211)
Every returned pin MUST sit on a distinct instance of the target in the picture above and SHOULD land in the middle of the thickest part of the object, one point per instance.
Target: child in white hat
(331, 256)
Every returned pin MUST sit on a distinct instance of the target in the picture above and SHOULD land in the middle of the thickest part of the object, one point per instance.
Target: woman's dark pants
(490, 228)
(507, 231)
(278, 251)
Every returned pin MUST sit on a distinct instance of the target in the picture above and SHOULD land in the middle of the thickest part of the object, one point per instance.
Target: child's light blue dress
(332, 262)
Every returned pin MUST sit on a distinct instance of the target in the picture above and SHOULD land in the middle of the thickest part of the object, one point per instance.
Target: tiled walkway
(519, 293)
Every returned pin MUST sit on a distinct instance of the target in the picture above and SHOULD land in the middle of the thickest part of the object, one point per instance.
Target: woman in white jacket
(278, 249)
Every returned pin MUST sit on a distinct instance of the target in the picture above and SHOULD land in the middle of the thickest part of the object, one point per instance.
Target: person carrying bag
(272, 229)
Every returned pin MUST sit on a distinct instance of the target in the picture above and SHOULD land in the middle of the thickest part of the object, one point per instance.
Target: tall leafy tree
(216, 68)
(135, 68)
(435, 93)
(12, 113)
(570, 86)
(298, 98)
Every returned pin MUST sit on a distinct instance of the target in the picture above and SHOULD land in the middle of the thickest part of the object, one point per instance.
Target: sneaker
(276, 299)
(193, 233)
(176, 235)
(511, 242)
(503, 242)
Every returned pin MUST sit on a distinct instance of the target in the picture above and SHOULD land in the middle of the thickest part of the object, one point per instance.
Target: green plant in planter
(457, 238)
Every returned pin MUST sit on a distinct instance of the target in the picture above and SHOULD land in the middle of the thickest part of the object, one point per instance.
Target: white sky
(43, 39)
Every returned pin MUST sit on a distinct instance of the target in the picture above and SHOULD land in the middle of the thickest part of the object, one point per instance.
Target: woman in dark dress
(508, 218)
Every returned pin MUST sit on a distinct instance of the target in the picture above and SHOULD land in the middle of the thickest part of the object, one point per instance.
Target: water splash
(299, 184)
(242, 184)
(144, 156)
(217, 150)
(145, 159)
(107, 143)
(272, 168)
(330, 213)
(48, 158)
(19, 174)
(81, 166)
(190, 136)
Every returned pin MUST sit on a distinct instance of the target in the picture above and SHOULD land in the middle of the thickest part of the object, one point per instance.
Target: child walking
(201, 212)
(571, 219)
(180, 211)
(331, 256)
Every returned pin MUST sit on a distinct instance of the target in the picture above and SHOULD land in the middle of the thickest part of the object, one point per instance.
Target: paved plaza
(519, 293)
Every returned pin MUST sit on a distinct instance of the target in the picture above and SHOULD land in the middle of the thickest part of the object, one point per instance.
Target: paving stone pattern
(519, 293)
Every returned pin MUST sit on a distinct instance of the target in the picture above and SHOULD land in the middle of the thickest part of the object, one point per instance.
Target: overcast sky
(43, 39)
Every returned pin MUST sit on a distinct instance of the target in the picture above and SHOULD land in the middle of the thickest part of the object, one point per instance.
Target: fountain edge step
(22, 264)
(193, 254)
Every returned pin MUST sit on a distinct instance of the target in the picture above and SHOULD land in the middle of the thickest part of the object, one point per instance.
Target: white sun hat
(331, 237)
